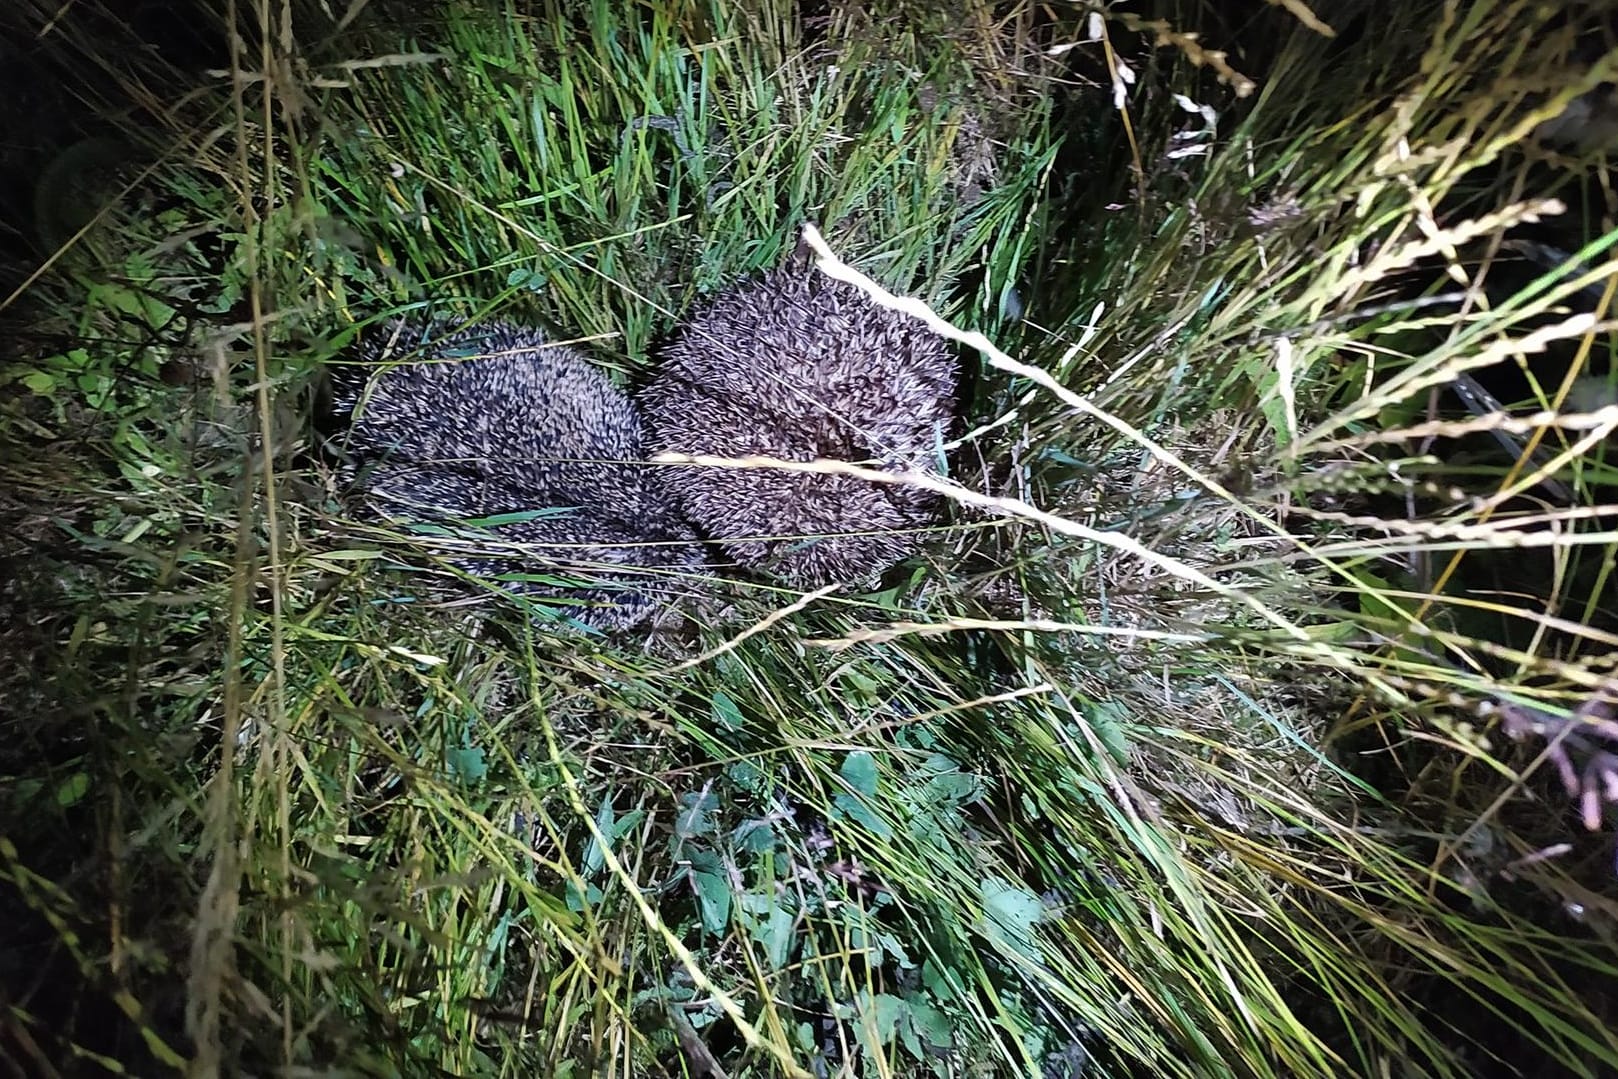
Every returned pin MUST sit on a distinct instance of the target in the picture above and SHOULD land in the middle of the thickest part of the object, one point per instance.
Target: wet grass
(1178, 753)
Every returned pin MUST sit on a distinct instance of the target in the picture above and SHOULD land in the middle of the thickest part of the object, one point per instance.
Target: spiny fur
(482, 422)
(799, 366)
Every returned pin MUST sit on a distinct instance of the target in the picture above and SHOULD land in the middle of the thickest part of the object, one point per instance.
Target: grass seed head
(798, 366)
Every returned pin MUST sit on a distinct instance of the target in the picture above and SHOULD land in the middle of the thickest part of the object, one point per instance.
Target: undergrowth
(1250, 715)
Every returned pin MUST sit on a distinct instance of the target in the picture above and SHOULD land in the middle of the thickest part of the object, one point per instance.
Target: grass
(1180, 753)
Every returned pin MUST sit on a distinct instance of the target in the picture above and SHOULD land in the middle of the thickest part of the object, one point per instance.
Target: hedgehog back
(799, 366)
(495, 401)
(493, 422)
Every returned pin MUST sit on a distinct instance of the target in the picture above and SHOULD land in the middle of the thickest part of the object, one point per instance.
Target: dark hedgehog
(527, 462)
(799, 366)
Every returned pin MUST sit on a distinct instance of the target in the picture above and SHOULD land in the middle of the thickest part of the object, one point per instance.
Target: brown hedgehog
(523, 460)
(799, 366)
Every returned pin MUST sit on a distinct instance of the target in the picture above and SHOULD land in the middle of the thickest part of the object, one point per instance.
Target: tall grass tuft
(1249, 716)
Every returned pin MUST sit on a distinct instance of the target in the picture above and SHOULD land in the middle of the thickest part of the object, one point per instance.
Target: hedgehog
(523, 461)
(799, 366)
